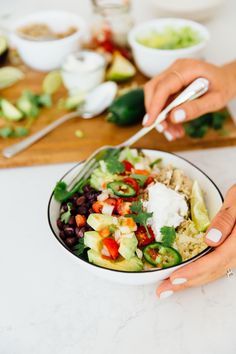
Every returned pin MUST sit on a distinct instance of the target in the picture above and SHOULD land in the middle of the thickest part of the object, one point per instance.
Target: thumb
(195, 108)
(224, 222)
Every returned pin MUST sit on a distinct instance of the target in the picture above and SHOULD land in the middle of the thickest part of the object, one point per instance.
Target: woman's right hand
(159, 90)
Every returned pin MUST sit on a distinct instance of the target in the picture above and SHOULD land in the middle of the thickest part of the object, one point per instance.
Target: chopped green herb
(141, 179)
(168, 235)
(114, 165)
(6, 132)
(155, 162)
(140, 216)
(80, 247)
(61, 193)
(67, 214)
(20, 131)
(44, 100)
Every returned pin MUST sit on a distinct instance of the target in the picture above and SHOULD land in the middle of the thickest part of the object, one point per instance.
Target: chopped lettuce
(101, 176)
(130, 155)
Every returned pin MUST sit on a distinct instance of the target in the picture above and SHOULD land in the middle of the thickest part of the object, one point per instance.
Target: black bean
(87, 188)
(89, 228)
(69, 231)
(82, 210)
(62, 235)
(71, 220)
(60, 224)
(91, 211)
(80, 200)
(71, 241)
(64, 207)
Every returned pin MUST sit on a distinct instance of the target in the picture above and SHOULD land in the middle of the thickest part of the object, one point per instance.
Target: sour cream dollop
(168, 207)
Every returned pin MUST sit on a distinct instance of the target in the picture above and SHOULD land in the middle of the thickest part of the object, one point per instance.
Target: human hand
(221, 234)
(159, 90)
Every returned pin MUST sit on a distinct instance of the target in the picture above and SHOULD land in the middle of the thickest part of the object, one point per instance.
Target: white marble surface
(48, 305)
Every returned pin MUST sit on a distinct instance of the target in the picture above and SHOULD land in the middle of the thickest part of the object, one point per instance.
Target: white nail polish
(168, 136)
(166, 294)
(145, 119)
(160, 128)
(214, 235)
(179, 116)
(179, 281)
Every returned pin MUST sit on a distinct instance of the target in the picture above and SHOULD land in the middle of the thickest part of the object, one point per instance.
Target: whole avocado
(127, 109)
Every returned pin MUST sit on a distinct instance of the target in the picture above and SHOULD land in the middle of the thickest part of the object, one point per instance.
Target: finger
(224, 222)
(168, 85)
(200, 272)
(149, 90)
(174, 131)
(190, 110)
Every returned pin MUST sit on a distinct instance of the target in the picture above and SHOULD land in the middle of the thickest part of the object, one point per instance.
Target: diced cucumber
(10, 111)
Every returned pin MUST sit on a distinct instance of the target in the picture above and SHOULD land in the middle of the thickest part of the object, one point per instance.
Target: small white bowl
(48, 55)
(152, 61)
(213, 199)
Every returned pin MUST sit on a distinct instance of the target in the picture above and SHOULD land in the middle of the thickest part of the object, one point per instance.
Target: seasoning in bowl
(83, 71)
(41, 31)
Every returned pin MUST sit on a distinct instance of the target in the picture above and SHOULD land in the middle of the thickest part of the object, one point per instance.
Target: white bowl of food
(156, 44)
(44, 39)
(190, 9)
(139, 217)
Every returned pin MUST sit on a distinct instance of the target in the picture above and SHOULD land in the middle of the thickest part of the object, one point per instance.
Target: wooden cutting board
(62, 145)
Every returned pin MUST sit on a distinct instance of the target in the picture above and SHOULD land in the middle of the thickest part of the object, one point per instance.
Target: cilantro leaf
(20, 131)
(6, 132)
(114, 165)
(155, 162)
(80, 247)
(168, 235)
(67, 214)
(61, 192)
(141, 179)
(140, 216)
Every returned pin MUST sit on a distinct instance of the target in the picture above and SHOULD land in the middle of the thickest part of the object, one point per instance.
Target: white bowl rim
(203, 29)
(206, 250)
(26, 18)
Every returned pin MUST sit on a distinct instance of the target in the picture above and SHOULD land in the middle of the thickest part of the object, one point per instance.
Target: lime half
(52, 82)
(121, 69)
(198, 208)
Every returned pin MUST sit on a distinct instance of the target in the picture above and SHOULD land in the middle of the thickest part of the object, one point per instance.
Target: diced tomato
(142, 236)
(112, 246)
(80, 220)
(111, 201)
(123, 207)
(133, 183)
(141, 172)
(97, 207)
(128, 165)
(149, 180)
(105, 232)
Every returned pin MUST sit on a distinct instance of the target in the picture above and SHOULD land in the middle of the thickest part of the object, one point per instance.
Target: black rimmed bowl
(213, 199)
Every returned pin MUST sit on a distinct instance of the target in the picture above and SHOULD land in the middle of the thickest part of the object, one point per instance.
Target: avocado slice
(134, 264)
(99, 221)
(92, 239)
(128, 246)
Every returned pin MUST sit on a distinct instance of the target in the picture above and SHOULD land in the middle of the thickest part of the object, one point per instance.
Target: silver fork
(196, 89)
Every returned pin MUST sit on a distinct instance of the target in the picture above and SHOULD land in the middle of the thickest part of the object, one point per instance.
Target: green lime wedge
(198, 208)
(9, 75)
(52, 82)
(121, 69)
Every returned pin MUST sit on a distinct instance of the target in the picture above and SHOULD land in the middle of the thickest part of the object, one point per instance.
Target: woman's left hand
(222, 235)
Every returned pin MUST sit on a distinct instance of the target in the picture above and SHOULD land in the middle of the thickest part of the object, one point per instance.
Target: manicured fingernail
(165, 294)
(214, 235)
(145, 119)
(178, 281)
(160, 128)
(179, 116)
(168, 136)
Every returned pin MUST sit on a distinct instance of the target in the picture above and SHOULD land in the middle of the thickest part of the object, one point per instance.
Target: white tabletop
(48, 305)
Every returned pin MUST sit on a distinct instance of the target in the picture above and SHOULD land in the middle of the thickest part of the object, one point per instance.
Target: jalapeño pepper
(161, 256)
(121, 189)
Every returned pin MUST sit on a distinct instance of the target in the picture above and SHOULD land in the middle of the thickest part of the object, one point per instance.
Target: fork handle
(196, 89)
(16, 148)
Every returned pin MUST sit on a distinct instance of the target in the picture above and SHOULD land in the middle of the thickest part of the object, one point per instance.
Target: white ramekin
(213, 200)
(48, 55)
(152, 61)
